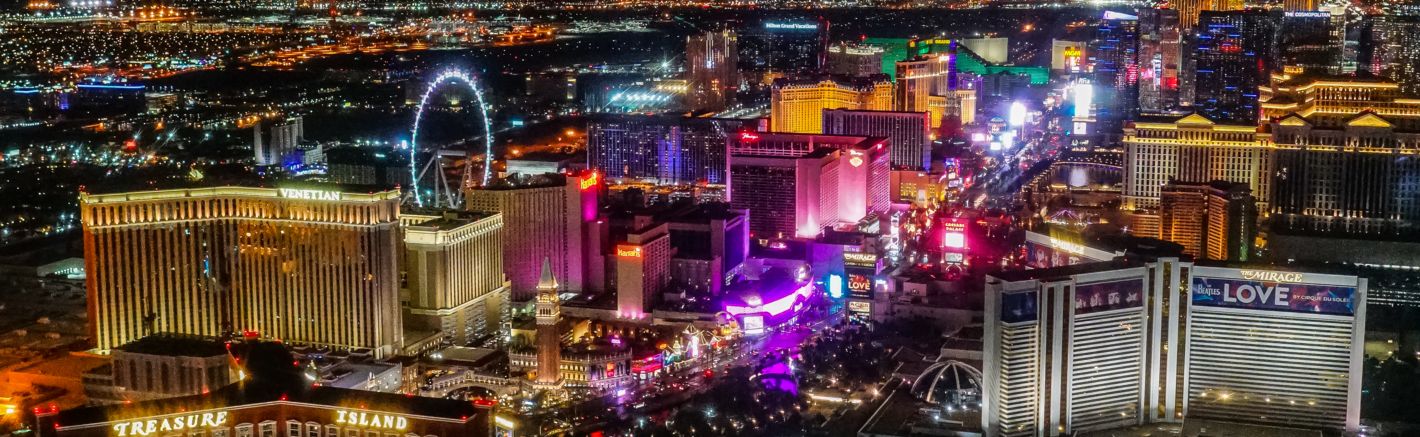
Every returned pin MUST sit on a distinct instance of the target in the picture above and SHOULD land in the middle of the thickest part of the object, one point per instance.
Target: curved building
(308, 265)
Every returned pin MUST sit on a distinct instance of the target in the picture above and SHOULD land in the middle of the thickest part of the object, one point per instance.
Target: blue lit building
(1233, 56)
(661, 149)
(1115, 53)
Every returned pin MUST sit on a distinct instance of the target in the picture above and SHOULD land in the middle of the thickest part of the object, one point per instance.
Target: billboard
(1273, 296)
(860, 307)
(1111, 295)
(860, 285)
(1041, 256)
(1019, 307)
(861, 259)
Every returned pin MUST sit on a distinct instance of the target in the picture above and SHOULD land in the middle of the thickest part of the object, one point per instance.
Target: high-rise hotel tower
(305, 265)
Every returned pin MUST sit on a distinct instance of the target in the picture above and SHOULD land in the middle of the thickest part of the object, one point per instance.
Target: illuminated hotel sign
(1067, 246)
(370, 420)
(293, 193)
(860, 259)
(628, 251)
(590, 181)
(1272, 295)
(1264, 275)
(170, 424)
(1308, 14)
(791, 26)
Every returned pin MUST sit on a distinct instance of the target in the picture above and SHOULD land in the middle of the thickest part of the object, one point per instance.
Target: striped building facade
(1113, 344)
(454, 277)
(308, 266)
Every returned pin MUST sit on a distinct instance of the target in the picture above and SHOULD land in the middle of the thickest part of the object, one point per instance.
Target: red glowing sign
(749, 136)
(590, 181)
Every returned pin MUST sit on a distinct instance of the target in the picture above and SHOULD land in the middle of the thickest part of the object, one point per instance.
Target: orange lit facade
(307, 266)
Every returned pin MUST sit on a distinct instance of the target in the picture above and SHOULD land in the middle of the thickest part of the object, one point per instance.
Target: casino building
(1116, 343)
(264, 410)
(306, 264)
(1066, 349)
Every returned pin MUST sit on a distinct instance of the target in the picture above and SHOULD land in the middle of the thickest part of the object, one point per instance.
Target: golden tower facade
(302, 265)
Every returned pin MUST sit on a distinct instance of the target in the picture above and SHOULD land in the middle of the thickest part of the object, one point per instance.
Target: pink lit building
(790, 190)
(643, 265)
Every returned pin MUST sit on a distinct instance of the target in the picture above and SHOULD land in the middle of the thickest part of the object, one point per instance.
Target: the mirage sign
(1274, 296)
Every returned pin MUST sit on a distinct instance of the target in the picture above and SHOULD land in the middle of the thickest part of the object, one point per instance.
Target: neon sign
(370, 420)
(293, 193)
(590, 181)
(749, 136)
(628, 251)
(856, 161)
(153, 426)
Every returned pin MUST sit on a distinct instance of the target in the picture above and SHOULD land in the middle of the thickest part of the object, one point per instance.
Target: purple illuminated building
(776, 297)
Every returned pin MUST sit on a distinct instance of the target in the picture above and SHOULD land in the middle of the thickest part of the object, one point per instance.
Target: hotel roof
(252, 392)
(1062, 272)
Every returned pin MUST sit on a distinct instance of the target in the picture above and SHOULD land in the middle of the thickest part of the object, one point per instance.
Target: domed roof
(946, 381)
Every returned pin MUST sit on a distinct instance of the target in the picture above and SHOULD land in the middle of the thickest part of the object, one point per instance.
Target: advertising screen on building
(860, 285)
(1042, 256)
(857, 306)
(1112, 295)
(1018, 307)
(1274, 296)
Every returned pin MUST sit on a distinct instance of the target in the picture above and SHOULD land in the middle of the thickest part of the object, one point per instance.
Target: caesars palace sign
(179, 423)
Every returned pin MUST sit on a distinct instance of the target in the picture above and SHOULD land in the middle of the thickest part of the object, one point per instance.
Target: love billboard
(1274, 296)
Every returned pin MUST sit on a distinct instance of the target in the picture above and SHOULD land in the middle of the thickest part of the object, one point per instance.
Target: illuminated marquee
(860, 259)
(628, 251)
(294, 193)
(170, 424)
(370, 420)
(954, 235)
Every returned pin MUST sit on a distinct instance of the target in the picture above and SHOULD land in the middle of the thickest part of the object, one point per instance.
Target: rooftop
(1065, 271)
(176, 345)
(518, 182)
(449, 220)
(254, 392)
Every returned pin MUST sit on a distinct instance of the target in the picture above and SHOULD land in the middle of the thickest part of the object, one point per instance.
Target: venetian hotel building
(301, 264)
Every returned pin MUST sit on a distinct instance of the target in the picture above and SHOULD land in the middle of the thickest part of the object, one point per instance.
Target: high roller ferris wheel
(432, 186)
